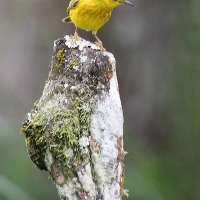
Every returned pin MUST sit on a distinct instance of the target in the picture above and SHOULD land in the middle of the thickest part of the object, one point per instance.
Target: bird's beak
(128, 3)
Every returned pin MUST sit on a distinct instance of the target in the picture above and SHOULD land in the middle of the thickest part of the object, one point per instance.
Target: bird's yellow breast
(90, 15)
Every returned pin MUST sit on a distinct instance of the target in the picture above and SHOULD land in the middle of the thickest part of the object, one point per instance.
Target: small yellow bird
(91, 15)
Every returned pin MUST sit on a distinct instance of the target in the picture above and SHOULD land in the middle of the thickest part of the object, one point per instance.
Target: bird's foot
(100, 45)
(76, 36)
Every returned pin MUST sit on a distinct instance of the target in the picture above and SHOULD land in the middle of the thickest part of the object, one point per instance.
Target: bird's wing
(72, 5)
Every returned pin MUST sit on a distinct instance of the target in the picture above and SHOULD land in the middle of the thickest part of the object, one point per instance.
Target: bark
(75, 130)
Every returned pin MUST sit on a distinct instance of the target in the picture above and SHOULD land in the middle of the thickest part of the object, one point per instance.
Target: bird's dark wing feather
(72, 5)
(67, 19)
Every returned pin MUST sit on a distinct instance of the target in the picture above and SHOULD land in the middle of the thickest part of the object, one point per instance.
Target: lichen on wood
(75, 130)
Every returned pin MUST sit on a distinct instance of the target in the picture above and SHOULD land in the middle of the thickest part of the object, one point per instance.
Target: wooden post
(75, 130)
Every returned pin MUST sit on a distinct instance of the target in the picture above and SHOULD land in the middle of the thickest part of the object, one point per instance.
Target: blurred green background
(157, 48)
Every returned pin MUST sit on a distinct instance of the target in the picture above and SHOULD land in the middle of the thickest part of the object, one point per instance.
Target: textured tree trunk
(75, 130)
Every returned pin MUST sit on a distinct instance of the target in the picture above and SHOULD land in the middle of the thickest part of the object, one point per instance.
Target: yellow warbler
(91, 15)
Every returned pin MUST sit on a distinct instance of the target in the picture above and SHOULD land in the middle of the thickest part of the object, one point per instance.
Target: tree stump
(75, 130)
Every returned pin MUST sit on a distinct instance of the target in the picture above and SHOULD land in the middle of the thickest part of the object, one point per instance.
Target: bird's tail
(67, 19)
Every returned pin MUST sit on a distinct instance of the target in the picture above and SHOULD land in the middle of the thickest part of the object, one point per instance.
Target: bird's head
(115, 3)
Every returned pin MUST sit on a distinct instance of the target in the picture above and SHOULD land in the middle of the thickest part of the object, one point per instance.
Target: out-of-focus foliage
(157, 48)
